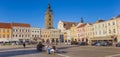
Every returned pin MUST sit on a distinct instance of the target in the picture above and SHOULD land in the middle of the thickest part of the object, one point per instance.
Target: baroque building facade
(73, 32)
(89, 32)
(5, 32)
(35, 34)
(63, 25)
(21, 32)
(50, 35)
(81, 32)
(105, 30)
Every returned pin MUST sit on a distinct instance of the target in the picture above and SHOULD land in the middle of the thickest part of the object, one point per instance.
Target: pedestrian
(46, 46)
(53, 49)
(24, 45)
(48, 49)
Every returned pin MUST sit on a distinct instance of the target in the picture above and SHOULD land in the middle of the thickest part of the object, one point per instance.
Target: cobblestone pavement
(19, 51)
(29, 51)
(92, 51)
(64, 51)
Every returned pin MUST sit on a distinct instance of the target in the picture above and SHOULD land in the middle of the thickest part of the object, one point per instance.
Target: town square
(58, 28)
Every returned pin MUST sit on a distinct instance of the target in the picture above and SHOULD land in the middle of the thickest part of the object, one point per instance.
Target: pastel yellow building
(112, 29)
(73, 32)
(88, 32)
(50, 35)
(65, 36)
(5, 32)
(118, 28)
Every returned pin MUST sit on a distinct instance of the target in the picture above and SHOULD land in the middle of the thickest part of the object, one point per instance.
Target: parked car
(98, 44)
(82, 43)
(106, 43)
(109, 43)
(94, 43)
(118, 44)
(74, 42)
(102, 43)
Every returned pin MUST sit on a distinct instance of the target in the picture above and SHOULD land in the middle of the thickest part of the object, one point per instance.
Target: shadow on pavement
(19, 52)
(60, 52)
(66, 47)
(14, 48)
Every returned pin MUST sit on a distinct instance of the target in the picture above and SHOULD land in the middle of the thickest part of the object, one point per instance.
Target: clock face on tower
(49, 18)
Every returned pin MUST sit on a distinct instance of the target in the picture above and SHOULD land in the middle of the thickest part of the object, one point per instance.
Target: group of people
(50, 48)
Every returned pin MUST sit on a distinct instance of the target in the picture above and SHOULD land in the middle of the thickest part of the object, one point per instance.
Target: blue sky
(33, 11)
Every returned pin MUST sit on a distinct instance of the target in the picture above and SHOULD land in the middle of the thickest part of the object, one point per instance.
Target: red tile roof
(5, 25)
(20, 24)
(10, 25)
(68, 25)
(82, 25)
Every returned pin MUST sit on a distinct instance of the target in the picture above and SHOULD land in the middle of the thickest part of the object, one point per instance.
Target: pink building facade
(81, 32)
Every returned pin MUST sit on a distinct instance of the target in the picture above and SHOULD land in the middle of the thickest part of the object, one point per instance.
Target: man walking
(24, 45)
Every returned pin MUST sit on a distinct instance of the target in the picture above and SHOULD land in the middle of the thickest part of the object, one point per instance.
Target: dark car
(74, 42)
(106, 43)
(95, 43)
(98, 44)
(109, 43)
(118, 44)
(103, 43)
(40, 46)
(82, 43)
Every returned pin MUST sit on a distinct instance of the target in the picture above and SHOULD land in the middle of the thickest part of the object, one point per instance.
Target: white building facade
(21, 34)
(35, 34)
(105, 30)
(61, 26)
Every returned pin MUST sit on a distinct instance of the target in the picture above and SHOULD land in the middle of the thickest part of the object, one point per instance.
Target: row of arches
(52, 40)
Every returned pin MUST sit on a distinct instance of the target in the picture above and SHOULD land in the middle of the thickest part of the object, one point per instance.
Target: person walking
(24, 45)
(48, 49)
